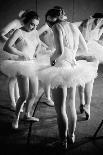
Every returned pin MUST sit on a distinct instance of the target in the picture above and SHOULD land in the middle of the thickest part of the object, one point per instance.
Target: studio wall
(75, 9)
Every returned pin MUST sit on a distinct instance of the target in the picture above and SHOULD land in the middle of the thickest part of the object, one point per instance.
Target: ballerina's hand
(24, 57)
(13, 57)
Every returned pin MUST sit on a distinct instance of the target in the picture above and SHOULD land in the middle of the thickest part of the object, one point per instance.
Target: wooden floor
(37, 138)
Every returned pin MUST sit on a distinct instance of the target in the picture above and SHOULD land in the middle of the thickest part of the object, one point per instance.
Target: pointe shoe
(81, 108)
(71, 139)
(30, 118)
(87, 112)
(13, 107)
(15, 124)
(49, 102)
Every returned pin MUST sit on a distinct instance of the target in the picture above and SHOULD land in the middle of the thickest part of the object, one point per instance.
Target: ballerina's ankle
(71, 139)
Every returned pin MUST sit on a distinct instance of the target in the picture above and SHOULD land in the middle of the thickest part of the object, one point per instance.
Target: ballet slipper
(15, 124)
(87, 111)
(71, 139)
(21, 110)
(13, 106)
(49, 102)
(30, 118)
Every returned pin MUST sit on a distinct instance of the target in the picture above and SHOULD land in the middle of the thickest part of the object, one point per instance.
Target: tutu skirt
(94, 49)
(12, 68)
(64, 74)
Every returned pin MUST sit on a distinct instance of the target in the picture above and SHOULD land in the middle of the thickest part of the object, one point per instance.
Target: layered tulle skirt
(12, 68)
(94, 49)
(62, 74)
(65, 74)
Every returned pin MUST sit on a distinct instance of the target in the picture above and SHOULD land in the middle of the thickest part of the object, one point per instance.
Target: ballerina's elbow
(6, 47)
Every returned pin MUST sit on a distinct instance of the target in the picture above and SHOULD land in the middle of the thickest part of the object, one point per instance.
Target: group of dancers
(70, 61)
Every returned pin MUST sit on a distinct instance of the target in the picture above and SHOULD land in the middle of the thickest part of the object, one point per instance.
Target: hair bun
(51, 19)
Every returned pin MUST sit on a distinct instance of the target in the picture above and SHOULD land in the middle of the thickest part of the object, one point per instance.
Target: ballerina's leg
(72, 114)
(47, 90)
(16, 91)
(88, 95)
(23, 90)
(59, 95)
(33, 92)
(82, 98)
(12, 82)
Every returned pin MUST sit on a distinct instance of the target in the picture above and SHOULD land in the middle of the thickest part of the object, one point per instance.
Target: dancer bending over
(6, 32)
(24, 68)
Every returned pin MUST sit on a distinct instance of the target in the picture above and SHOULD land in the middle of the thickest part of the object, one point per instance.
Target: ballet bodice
(27, 43)
(68, 42)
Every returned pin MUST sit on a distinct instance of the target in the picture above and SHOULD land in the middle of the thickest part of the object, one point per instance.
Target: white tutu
(65, 74)
(12, 68)
(94, 49)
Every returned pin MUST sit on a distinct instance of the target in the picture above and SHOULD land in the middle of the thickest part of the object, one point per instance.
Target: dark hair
(59, 8)
(29, 16)
(54, 15)
(97, 15)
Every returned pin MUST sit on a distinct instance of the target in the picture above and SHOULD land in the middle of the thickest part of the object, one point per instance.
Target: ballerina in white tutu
(49, 40)
(27, 42)
(6, 32)
(92, 30)
(66, 73)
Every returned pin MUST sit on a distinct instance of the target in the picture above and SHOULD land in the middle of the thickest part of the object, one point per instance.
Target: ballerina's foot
(49, 102)
(87, 112)
(21, 110)
(30, 118)
(15, 125)
(71, 139)
(13, 107)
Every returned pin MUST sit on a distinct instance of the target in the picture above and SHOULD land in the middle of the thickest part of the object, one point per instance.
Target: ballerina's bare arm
(58, 38)
(83, 43)
(77, 23)
(9, 45)
(38, 47)
(12, 25)
(100, 32)
(44, 28)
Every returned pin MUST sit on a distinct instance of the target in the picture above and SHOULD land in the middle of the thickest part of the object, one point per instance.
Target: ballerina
(24, 67)
(66, 73)
(92, 32)
(5, 33)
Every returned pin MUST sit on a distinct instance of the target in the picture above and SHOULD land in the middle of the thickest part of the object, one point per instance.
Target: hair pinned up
(29, 15)
(53, 15)
(97, 15)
